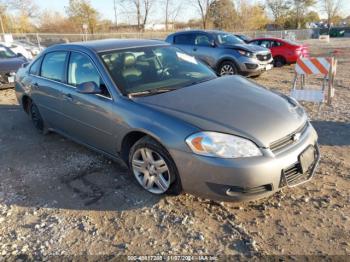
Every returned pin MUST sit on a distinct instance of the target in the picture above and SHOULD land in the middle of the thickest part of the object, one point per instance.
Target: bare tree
(203, 7)
(142, 9)
(332, 9)
(171, 12)
(26, 7)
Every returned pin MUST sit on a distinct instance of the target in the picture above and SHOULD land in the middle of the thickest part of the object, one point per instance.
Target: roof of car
(200, 31)
(111, 44)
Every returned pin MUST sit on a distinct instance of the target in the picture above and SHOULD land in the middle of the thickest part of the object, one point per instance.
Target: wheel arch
(131, 138)
(226, 59)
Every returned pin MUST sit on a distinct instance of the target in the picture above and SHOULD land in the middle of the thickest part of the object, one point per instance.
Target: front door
(204, 50)
(88, 117)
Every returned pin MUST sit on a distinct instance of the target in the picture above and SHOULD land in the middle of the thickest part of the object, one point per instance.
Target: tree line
(23, 16)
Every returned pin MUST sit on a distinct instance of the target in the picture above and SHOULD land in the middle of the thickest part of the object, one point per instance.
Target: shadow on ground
(52, 172)
(332, 133)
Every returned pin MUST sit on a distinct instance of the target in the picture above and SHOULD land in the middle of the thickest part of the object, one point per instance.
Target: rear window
(53, 66)
(35, 68)
(184, 39)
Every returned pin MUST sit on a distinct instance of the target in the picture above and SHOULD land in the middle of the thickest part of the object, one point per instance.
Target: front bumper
(245, 178)
(253, 66)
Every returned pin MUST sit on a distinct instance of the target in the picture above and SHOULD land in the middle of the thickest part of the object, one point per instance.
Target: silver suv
(224, 52)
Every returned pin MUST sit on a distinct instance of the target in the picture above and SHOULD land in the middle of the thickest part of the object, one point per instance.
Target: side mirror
(88, 88)
(20, 55)
(212, 43)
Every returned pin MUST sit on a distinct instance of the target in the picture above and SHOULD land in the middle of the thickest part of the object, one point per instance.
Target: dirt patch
(59, 198)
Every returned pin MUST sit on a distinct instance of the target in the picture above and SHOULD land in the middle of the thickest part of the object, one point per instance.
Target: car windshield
(6, 53)
(228, 39)
(151, 69)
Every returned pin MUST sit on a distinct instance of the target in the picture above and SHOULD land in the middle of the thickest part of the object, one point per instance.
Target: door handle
(195, 49)
(68, 97)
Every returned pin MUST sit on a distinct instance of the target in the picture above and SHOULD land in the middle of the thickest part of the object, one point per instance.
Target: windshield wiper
(201, 81)
(151, 92)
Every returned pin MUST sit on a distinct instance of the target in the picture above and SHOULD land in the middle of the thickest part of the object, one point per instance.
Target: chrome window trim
(66, 84)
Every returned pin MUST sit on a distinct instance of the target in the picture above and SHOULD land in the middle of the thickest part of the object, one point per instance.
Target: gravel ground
(59, 198)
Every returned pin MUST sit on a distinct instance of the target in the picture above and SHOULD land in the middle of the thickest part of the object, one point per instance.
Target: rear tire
(35, 116)
(153, 168)
(227, 68)
(279, 61)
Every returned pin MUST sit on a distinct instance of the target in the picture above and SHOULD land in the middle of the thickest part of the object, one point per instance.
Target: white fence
(50, 39)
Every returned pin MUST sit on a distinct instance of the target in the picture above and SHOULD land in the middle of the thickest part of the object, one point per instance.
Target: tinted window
(35, 68)
(202, 40)
(276, 44)
(81, 70)
(184, 39)
(152, 68)
(265, 43)
(53, 66)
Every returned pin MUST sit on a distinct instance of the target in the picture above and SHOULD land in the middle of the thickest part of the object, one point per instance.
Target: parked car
(283, 51)
(223, 52)
(18, 49)
(244, 38)
(175, 123)
(9, 64)
(30, 47)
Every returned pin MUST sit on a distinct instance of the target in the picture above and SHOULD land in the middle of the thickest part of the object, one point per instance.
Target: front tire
(153, 167)
(227, 68)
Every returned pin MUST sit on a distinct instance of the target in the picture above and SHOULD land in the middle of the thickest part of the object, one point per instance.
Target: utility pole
(115, 13)
(2, 25)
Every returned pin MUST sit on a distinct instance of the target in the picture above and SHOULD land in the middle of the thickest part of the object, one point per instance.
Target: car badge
(296, 137)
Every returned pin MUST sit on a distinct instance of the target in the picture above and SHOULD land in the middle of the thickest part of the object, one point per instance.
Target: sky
(105, 7)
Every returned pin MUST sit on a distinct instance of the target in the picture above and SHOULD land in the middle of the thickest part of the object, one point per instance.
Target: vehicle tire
(279, 61)
(227, 68)
(35, 116)
(153, 168)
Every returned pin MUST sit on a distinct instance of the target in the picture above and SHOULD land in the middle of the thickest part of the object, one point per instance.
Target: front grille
(288, 140)
(262, 57)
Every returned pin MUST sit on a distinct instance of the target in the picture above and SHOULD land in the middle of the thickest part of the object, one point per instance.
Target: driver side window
(202, 40)
(81, 70)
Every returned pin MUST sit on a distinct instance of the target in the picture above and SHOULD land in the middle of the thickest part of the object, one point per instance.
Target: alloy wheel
(151, 170)
(227, 69)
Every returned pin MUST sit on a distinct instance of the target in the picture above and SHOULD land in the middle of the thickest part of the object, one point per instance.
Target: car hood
(234, 105)
(247, 47)
(11, 64)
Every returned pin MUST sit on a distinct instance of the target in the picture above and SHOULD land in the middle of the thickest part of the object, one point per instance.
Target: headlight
(222, 145)
(245, 53)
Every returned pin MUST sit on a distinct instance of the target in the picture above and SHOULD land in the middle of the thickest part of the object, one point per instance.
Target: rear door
(88, 117)
(185, 42)
(47, 78)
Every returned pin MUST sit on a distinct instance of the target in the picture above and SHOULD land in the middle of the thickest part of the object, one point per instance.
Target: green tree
(81, 13)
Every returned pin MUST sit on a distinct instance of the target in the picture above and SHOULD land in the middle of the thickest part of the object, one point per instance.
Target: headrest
(129, 60)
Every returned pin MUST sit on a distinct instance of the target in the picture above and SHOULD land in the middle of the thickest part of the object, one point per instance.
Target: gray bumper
(252, 66)
(240, 179)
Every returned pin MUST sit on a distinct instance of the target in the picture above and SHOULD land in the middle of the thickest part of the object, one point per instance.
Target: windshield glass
(228, 39)
(6, 52)
(151, 68)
